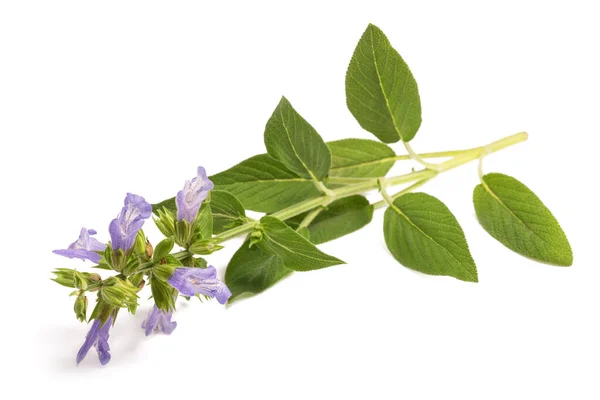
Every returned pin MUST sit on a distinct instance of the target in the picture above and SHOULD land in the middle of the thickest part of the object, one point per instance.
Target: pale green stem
(334, 180)
(364, 186)
(418, 158)
(480, 167)
(340, 180)
(383, 182)
(390, 199)
(310, 217)
(437, 154)
(324, 189)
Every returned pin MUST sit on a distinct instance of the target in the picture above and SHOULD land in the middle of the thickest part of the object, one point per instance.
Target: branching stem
(364, 185)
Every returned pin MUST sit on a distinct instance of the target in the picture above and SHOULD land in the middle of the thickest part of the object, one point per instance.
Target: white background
(101, 98)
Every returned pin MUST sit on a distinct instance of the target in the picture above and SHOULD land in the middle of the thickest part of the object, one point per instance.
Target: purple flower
(193, 194)
(191, 281)
(158, 319)
(125, 227)
(97, 337)
(84, 248)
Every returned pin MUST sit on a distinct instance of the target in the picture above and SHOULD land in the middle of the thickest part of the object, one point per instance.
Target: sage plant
(311, 192)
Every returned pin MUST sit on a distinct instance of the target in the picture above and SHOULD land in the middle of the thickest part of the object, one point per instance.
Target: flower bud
(183, 232)
(110, 281)
(255, 237)
(139, 246)
(119, 259)
(80, 307)
(79, 280)
(64, 277)
(119, 293)
(165, 222)
(163, 271)
(132, 265)
(207, 246)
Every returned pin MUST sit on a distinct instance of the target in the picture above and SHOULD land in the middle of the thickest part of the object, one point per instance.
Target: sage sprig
(311, 192)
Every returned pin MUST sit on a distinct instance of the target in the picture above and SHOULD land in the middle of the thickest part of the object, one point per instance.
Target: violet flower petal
(102, 344)
(166, 324)
(97, 337)
(125, 227)
(84, 247)
(158, 319)
(193, 194)
(191, 281)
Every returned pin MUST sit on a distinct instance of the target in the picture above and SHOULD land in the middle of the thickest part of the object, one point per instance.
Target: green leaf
(296, 144)
(202, 227)
(169, 204)
(422, 234)
(102, 266)
(381, 92)
(200, 262)
(253, 270)
(511, 213)
(162, 293)
(296, 252)
(304, 232)
(227, 211)
(340, 218)
(265, 185)
(163, 248)
(360, 158)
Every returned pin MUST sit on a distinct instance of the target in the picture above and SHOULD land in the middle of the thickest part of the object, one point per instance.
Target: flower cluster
(169, 275)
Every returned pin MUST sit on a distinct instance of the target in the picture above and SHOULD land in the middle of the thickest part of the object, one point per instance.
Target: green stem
(340, 180)
(418, 158)
(460, 158)
(437, 154)
(334, 180)
(383, 190)
(180, 255)
(390, 199)
(310, 217)
(323, 189)
(93, 286)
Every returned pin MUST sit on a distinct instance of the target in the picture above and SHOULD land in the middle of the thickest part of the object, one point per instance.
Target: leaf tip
(283, 100)
(566, 259)
(372, 26)
(469, 275)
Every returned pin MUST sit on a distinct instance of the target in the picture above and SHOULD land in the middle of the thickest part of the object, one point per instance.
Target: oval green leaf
(227, 211)
(265, 185)
(340, 218)
(252, 271)
(360, 158)
(512, 214)
(422, 234)
(291, 140)
(294, 249)
(381, 92)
